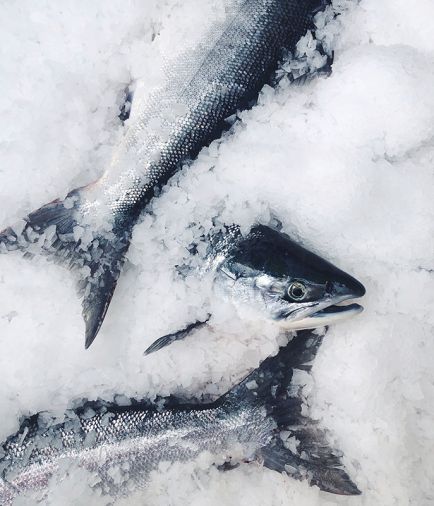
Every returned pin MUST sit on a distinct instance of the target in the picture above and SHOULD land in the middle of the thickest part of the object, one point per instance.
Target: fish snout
(349, 288)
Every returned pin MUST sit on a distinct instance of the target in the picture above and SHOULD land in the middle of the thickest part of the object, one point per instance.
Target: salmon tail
(62, 230)
(297, 446)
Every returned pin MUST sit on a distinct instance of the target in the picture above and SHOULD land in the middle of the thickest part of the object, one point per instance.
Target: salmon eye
(297, 290)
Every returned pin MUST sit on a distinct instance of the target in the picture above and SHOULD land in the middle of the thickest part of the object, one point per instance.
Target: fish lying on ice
(90, 230)
(264, 418)
(276, 279)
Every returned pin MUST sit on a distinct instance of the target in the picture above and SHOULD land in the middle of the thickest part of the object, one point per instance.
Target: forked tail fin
(62, 231)
(297, 445)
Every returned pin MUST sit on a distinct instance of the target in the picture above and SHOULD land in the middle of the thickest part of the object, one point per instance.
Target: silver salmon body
(90, 230)
(122, 445)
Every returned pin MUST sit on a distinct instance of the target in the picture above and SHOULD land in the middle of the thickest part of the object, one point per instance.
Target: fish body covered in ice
(90, 230)
(269, 276)
(122, 445)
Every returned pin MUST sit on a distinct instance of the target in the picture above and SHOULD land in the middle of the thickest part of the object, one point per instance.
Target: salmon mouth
(339, 311)
(326, 316)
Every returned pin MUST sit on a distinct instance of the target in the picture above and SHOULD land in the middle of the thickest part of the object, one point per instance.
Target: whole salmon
(264, 419)
(90, 229)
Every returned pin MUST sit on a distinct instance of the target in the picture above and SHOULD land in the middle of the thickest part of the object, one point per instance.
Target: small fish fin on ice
(297, 445)
(306, 78)
(168, 339)
(127, 102)
(94, 251)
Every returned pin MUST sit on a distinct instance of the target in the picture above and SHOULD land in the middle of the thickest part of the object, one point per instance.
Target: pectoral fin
(168, 339)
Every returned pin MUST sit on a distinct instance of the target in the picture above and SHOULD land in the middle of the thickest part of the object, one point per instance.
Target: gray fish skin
(270, 277)
(123, 445)
(90, 230)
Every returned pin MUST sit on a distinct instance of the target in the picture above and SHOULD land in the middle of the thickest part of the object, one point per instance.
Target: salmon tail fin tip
(297, 446)
(60, 231)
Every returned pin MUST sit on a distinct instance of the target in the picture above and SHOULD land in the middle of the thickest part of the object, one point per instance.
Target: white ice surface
(347, 164)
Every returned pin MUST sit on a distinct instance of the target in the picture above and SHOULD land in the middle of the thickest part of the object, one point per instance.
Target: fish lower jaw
(327, 316)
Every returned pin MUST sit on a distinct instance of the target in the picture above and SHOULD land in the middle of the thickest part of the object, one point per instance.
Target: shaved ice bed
(345, 163)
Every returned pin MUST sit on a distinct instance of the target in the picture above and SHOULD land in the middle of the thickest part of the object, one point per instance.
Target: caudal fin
(297, 445)
(63, 231)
